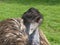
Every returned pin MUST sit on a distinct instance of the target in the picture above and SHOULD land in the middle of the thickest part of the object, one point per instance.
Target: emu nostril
(31, 29)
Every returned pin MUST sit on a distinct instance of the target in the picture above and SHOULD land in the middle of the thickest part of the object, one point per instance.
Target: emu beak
(32, 27)
(30, 32)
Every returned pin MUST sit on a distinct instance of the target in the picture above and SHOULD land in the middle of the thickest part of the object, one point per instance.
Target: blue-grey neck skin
(36, 38)
(32, 31)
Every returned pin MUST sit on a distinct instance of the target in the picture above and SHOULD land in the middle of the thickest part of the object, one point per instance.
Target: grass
(50, 10)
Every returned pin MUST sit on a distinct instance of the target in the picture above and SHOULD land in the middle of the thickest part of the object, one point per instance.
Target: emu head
(32, 19)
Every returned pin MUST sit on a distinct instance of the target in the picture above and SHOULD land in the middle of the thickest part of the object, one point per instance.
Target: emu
(12, 32)
(32, 20)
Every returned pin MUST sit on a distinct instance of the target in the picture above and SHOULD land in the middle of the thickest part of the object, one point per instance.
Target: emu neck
(32, 30)
(34, 38)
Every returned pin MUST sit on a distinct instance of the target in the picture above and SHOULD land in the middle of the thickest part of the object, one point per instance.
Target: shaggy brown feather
(12, 32)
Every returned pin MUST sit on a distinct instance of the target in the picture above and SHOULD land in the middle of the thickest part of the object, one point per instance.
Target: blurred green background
(49, 8)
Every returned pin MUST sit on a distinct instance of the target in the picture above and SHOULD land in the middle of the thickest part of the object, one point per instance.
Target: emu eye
(37, 19)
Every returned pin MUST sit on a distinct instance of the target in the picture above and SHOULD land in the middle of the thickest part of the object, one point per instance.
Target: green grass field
(49, 8)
